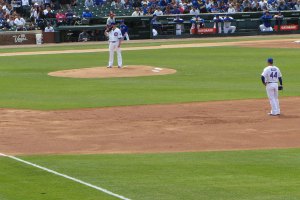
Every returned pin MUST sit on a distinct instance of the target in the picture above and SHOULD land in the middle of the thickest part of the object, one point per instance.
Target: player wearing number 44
(270, 77)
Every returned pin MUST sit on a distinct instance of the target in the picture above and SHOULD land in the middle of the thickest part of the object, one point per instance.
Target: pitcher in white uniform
(114, 38)
(270, 77)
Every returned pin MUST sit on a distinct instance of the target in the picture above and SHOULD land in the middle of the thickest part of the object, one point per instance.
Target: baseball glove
(280, 87)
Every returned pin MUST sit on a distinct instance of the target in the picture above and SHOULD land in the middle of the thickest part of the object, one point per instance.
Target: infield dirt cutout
(203, 126)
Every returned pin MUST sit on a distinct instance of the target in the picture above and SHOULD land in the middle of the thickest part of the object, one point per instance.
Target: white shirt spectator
(208, 5)
(88, 3)
(49, 29)
(231, 9)
(158, 12)
(137, 13)
(145, 2)
(25, 3)
(39, 2)
(19, 21)
(194, 11)
(47, 2)
(297, 6)
(45, 12)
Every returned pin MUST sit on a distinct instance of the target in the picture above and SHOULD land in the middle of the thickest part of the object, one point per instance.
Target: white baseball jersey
(115, 35)
(271, 74)
(227, 22)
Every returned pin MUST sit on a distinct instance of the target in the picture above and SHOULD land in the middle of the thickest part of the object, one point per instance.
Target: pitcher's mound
(104, 72)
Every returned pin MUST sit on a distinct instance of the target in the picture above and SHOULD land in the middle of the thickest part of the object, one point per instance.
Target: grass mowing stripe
(65, 176)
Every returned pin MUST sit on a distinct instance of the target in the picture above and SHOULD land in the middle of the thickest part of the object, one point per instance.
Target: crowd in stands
(33, 14)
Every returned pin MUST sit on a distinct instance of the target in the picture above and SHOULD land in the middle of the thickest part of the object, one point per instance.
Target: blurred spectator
(144, 2)
(60, 18)
(202, 6)
(297, 6)
(144, 9)
(116, 4)
(86, 14)
(266, 19)
(20, 23)
(282, 5)
(158, 12)
(25, 9)
(83, 36)
(208, 5)
(168, 10)
(74, 2)
(175, 10)
(49, 28)
(99, 2)
(272, 7)
(47, 3)
(256, 8)
(88, 3)
(231, 9)
(127, 4)
(69, 17)
(246, 5)
(10, 22)
(34, 13)
(137, 3)
(137, 12)
(194, 11)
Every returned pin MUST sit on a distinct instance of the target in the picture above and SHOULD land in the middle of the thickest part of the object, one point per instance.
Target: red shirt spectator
(60, 18)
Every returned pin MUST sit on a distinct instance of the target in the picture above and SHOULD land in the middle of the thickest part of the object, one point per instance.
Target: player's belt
(112, 41)
(271, 82)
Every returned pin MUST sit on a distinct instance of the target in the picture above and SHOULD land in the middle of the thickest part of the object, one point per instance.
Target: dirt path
(208, 126)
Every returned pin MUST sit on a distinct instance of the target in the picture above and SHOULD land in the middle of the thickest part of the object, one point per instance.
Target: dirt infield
(224, 125)
(210, 126)
(103, 72)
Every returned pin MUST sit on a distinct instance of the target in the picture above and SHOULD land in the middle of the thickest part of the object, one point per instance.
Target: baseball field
(183, 120)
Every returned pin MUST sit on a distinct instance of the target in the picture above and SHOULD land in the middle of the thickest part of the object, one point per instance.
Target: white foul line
(66, 176)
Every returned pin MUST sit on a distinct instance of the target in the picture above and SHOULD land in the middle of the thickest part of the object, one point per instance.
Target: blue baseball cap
(270, 60)
(112, 23)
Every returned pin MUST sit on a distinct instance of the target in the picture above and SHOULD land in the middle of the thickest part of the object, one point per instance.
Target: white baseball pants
(230, 29)
(272, 92)
(113, 46)
(126, 36)
(265, 29)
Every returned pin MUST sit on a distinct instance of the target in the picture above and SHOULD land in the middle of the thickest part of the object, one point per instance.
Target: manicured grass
(203, 74)
(136, 43)
(237, 175)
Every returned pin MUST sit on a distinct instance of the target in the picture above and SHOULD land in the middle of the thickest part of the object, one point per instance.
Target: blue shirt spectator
(87, 13)
(175, 10)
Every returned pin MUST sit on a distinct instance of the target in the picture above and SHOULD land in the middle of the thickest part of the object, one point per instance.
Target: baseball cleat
(272, 114)
(109, 66)
(119, 66)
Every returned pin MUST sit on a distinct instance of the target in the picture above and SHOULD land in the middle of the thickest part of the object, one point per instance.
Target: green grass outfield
(237, 175)
(203, 74)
